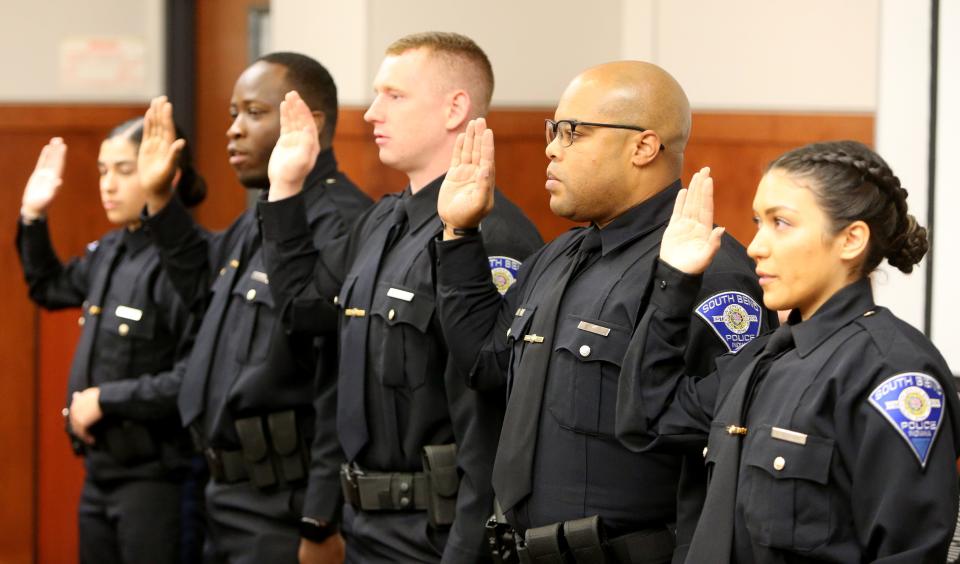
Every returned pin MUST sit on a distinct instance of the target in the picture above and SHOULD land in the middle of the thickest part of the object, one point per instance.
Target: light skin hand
(466, 196)
(330, 551)
(84, 412)
(159, 151)
(296, 150)
(690, 240)
(45, 181)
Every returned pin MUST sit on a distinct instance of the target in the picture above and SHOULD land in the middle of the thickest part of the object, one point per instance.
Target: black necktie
(351, 418)
(713, 538)
(79, 379)
(513, 467)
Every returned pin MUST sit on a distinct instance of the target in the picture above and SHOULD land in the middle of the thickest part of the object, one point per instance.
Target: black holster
(274, 450)
(440, 466)
(583, 541)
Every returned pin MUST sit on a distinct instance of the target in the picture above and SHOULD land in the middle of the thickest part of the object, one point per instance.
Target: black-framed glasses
(565, 129)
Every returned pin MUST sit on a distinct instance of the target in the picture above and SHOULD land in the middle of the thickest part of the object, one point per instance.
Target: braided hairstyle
(850, 183)
(191, 189)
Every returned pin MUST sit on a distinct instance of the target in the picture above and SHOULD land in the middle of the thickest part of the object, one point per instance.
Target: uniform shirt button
(123, 329)
(336, 300)
(223, 271)
(585, 351)
(391, 314)
(778, 463)
(251, 293)
(81, 320)
(663, 284)
(508, 331)
(404, 486)
(404, 501)
(705, 451)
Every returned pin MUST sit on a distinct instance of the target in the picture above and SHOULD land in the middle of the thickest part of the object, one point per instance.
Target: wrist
(315, 530)
(282, 190)
(450, 232)
(29, 215)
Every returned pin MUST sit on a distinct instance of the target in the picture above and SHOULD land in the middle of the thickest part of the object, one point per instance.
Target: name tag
(400, 294)
(133, 314)
(260, 277)
(593, 328)
(789, 436)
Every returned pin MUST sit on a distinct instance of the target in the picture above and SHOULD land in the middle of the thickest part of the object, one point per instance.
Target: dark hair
(192, 188)
(313, 81)
(851, 182)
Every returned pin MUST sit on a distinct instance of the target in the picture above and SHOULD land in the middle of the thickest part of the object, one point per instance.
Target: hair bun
(910, 247)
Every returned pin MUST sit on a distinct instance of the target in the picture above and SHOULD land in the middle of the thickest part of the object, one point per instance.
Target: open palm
(466, 196)
(159, 148)
(690, 240)
(296, 150)
(46, 178)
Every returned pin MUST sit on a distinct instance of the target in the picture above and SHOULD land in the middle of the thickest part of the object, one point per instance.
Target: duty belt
(581, 541)
(434, 490)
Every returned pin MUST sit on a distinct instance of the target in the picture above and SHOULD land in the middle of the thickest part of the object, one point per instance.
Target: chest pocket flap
(521, 321)
(130, 321)
(784, 459)
(398, 304)
(253, 291)
(592, 340)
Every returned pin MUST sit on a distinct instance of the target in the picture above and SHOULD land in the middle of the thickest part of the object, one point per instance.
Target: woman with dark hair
(835, 437)
(121, 412)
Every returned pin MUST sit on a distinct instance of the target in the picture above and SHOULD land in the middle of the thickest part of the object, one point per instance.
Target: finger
(706, 203)
(485, 150)
(695, 197)
(716, 237)
(678, 206)
(43, 158)
(58, 155)
(285, 117)
(479, 127)
(457, 149)
(167, 128)
(173, 153)
(467, 154)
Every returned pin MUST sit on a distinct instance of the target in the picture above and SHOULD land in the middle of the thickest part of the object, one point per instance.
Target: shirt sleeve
(52, 284)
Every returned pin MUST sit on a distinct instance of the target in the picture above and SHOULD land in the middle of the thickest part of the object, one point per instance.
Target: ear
(458, 110)
(320, 119)
(853, 241)
(645, 147)
(176, 178)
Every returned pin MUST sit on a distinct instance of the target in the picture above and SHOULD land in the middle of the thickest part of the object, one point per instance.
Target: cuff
(284, 219)
(462, 260)
(113, 394)
(168, 226)
(674, 292)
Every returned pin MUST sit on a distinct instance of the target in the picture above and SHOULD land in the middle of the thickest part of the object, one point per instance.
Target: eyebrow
(775, 209)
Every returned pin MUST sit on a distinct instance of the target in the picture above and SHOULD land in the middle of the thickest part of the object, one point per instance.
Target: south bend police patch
(734, 316)
(913, 403)
(504, 271)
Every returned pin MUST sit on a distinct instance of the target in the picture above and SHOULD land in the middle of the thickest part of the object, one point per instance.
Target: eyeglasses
(565, 128)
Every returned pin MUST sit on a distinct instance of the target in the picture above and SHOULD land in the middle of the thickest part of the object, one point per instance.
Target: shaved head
(638, 93)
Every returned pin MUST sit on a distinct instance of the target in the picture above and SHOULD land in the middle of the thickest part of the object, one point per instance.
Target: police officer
(835, 438)
(560, 336)
(253, 391)
(419, 443)
(121, 412)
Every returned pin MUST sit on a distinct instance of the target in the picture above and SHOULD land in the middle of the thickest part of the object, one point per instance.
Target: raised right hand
(466, 196)
(690, 240)
(159, 151)
(45, 180)
(296, 151)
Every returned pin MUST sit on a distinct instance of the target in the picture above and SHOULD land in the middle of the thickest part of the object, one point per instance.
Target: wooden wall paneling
(39, 474)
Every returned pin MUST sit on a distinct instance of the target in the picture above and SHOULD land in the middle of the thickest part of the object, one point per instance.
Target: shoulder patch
(504, 272)
(92, 246)
(913, 403)
(734, 316)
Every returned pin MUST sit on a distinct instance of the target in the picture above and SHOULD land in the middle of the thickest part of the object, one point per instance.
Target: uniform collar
(325, 168)
(422, 206)
(640, 220)
(135, 240)
(850, 303)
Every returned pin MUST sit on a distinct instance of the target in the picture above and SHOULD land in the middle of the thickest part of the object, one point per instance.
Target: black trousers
(390, 536)
(250, 526)
(130, 522)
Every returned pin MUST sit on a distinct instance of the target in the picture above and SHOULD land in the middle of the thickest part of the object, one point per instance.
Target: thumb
(173, 153)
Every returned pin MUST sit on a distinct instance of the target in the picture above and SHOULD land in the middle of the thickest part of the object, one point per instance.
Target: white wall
(747, 54)
(36, 36)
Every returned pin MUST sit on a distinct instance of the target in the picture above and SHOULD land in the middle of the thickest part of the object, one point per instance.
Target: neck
(438, 164)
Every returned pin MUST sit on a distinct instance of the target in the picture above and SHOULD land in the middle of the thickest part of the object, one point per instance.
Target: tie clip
(354, 312)
(533, 338)
(789, 436)
(734, 430)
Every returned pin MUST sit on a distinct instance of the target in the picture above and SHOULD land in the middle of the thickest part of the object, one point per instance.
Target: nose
(235, 130)
(108, 182)
(553, 149)
(758, 248)
(372, 114)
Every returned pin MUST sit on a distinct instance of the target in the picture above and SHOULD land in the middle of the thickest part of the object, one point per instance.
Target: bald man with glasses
(560, 337)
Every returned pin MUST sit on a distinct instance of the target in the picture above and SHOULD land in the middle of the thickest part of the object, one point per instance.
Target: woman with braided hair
(833, 439)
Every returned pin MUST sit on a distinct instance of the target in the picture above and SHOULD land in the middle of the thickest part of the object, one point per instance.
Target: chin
(253, 181)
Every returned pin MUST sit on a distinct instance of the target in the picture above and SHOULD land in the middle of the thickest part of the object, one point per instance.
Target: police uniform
(252, 391)
(134, 327)
(578, 468)
(840, 447)
(397, 392)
